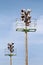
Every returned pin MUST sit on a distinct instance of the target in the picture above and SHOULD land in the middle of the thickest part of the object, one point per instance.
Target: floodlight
(12, 43)
(8, 44)
(23, 10)
(28, 10)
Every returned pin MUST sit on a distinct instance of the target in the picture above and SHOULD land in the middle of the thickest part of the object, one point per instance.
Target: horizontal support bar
(10, 54)
(26, 30)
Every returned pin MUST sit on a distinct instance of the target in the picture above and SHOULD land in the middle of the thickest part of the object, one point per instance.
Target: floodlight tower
(11, 50)
(25, 16)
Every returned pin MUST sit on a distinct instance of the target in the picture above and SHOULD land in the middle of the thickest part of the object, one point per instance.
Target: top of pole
(26, 19)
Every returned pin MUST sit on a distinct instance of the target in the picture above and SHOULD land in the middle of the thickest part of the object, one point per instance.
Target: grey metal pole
(10, 60)
(26, 47)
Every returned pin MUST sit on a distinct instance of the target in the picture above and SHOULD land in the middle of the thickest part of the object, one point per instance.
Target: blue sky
(9, 11)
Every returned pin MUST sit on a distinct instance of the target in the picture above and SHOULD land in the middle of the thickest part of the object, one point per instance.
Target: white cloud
(40, 25)
(13, 34)
(6, 33)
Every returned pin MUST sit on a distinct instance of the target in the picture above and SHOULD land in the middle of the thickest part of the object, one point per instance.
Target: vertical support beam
(10, 60)
(26, 46)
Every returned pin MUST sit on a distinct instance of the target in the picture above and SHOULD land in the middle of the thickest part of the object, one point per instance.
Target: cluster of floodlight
(25, 16)
(11, 47)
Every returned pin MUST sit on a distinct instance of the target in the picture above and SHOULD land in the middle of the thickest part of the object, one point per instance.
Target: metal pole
(26, 47)
(10, 60)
